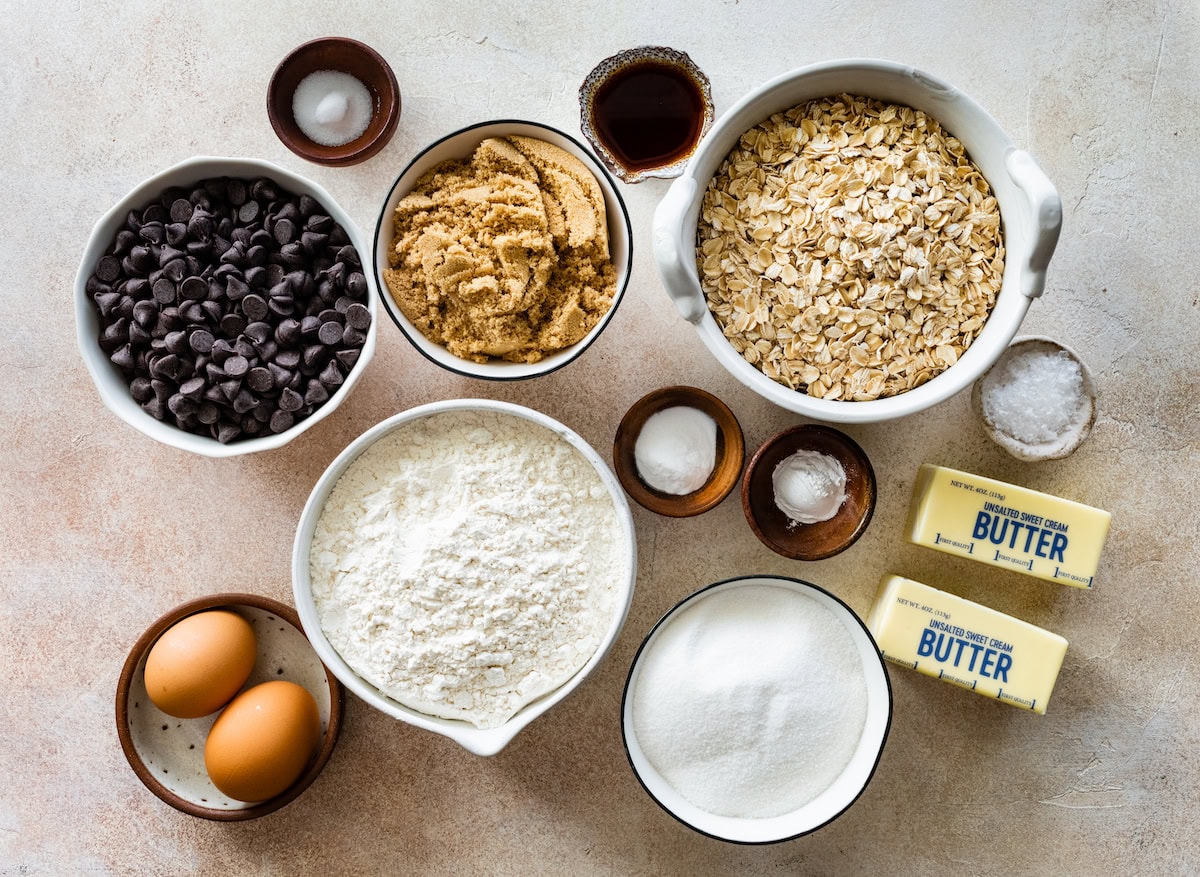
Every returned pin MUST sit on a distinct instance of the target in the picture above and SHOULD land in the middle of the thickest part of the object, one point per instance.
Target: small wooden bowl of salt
(679, 451)
(334, 101)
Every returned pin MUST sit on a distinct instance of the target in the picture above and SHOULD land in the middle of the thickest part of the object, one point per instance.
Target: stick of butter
(966, 644)
(1007, 526)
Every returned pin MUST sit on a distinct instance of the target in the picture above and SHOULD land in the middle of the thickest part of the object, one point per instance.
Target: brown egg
(263, 741)
(199, 663)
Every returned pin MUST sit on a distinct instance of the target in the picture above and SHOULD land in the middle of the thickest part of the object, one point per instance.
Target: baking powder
(468, 563)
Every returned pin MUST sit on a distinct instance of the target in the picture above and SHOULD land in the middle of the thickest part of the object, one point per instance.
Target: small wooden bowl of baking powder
(731, 452)
(823, 539)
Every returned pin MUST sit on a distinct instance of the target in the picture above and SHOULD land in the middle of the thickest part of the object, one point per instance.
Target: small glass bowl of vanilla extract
(644, 111)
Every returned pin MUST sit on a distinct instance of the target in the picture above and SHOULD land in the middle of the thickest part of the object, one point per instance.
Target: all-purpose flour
(468, 563)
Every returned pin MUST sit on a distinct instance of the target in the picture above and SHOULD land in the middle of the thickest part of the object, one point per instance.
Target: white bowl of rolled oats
(845, 255)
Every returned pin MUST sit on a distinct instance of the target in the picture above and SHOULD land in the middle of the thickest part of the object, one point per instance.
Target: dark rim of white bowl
(598, 169)
(695, 596)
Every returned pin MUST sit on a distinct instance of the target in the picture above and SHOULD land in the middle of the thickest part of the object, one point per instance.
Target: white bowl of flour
(756, 710)
(463, 566)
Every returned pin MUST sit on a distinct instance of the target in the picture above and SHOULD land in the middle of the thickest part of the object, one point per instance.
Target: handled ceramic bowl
(1030, 209)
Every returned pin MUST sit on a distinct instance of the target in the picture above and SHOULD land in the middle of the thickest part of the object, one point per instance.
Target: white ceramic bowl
(461, 144)
(481, 741)
(1075, 433)
(1030, 210)
(827, 806)
(113, 386)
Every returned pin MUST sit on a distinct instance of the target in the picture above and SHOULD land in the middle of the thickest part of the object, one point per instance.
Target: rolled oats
(849, 248)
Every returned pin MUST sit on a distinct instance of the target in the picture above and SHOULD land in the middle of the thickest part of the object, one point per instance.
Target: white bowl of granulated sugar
(756, 710)
(463, 566)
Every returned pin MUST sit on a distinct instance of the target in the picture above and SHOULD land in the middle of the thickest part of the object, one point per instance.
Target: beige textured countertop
(104, 530)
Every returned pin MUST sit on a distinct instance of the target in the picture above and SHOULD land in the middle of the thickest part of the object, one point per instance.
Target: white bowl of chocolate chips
(222, 306)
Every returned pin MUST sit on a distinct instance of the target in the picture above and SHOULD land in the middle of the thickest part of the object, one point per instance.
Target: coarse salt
(1034, 395)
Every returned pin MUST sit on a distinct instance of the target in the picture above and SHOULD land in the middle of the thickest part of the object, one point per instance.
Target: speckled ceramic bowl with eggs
(167, 753)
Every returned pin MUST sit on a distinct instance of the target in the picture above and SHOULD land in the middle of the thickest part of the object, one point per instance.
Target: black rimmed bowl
(829, 804)
(461, 144)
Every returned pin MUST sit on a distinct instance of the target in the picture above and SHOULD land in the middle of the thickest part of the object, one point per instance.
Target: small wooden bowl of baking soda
(809, 492)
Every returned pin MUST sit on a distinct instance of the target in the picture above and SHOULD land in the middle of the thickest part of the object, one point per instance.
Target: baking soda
(751, 701)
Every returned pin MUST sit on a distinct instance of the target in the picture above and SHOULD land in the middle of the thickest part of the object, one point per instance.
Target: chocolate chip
(248, 212)
(280, 376)
(356, 285)
(156, 408)
(244, 401)
(230, 389)
(282, 307)
(282, 420)
(330, 376)
(107, 302)
(358, 316)
(290, 400)
(227, 432)
(195, 288)
(193, 388)
(330, 333)
(175, 270)
(236, 289)
(259, 379)
(236, 366)
(221, 351)
(288, 358)
(181, 210)
(177, 342)
(316, 393)
(287, 333)
(123, 357)
(140, 389)
(351, 337)
(152, 233)
(166, 367)
(208, 412)
(284, 231)
(233, 325)
(201, 341)
(181, 406)
(319, 223)
(212, 311)
(108, 268)
(254, 307)
(347, 358)
(347, 253)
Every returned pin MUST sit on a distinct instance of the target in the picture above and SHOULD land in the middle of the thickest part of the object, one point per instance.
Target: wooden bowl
(809, 541)
(346, 56)
(731, 452)
(167, 753)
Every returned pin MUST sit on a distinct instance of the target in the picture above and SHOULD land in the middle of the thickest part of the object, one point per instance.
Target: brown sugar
(505, 254)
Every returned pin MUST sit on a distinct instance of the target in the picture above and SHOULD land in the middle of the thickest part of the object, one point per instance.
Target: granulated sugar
(751, 701)
(1034, 395)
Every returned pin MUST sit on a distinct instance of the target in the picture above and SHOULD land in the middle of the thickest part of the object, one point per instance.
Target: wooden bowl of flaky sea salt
(1038, 401)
